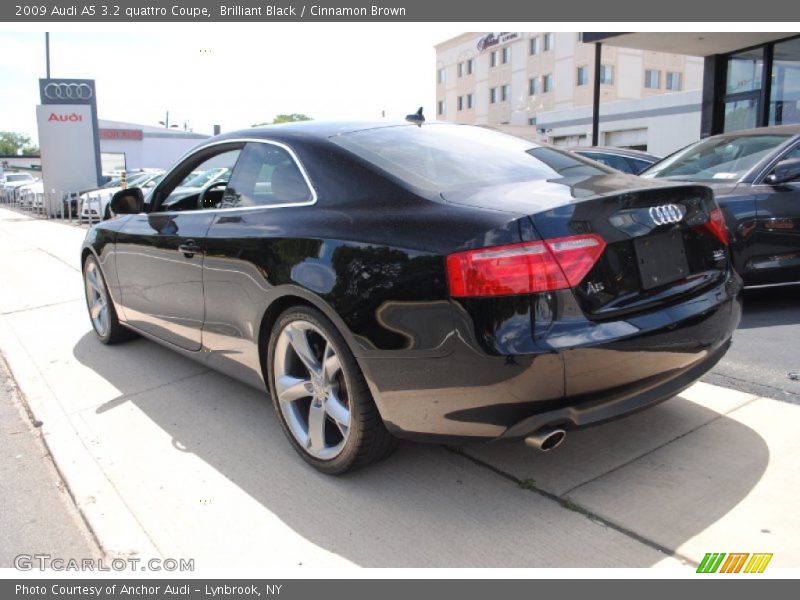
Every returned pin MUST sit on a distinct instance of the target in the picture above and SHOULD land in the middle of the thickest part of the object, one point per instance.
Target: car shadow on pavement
(770, 306)
(426, 505)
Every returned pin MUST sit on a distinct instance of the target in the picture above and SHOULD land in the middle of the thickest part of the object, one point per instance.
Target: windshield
(717, 159)
(442, 157)
(19, 177)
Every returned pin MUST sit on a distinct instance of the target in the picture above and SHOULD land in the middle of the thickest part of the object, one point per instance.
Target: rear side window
(448, 157)
(266, 175)
(612, 160)
(638, 165)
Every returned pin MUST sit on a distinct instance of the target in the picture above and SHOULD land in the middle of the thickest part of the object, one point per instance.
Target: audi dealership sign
(68, 134)
(66, 92)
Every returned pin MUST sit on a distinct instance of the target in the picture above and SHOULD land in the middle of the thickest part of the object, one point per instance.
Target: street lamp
(166, 122)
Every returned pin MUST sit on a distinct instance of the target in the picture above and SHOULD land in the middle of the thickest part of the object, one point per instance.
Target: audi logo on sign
(68, 91)
(666, 213)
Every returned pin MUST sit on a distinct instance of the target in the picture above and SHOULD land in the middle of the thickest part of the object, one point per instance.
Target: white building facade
(539, 85)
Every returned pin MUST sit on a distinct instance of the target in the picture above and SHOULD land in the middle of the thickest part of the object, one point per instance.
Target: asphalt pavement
(765, 356)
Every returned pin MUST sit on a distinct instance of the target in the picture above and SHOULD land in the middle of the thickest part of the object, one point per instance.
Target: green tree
(12, 143)
(290, 118)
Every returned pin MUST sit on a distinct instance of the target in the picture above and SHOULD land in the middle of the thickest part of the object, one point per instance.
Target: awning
(689, 43)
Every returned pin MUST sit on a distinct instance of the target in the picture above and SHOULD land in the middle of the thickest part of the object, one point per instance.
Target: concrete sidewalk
(165, 458)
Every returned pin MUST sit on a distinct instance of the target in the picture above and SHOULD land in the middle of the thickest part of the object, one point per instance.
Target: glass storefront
(784, 103)
(762, 86)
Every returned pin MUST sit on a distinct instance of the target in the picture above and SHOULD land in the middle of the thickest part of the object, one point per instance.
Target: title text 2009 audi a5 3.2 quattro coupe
(437, 282)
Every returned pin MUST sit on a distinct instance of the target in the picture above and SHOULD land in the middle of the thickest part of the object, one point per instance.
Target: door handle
(189, 248)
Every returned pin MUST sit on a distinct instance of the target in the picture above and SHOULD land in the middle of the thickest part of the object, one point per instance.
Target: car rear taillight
(716, 225)
(523, 268)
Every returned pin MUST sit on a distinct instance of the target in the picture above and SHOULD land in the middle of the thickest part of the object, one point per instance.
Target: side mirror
(129, 201)
(785, 171)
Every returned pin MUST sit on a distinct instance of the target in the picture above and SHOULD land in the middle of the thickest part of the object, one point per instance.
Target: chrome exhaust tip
(546, 438)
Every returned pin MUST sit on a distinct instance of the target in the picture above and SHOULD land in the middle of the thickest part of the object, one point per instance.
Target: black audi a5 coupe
(755, 176)
(440, 282)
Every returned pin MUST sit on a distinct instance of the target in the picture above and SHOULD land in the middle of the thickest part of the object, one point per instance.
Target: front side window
(536, 45)
(506, 55)
(266, 175)
(469, 100)
(440, 76)
(460, 103)
(505, 93)
(202, 174)
(440, 107)
(493, 95)
(470, 66)
(460, 69)
(533, 86)
(717, 159)
(493, 58)
(548, 41)
(547, 83)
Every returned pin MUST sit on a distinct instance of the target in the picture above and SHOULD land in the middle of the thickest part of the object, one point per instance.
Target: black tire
(368, 441)
(113, 332)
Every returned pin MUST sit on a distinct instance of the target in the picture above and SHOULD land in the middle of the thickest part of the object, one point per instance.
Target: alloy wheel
(96, 298)
(311, 389)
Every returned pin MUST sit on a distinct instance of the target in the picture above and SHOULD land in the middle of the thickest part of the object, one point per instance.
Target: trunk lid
(660, 246)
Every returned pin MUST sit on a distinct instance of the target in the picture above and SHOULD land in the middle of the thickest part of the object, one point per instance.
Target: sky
(233, 76)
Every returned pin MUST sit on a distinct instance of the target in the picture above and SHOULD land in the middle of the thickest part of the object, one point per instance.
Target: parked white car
(11, 181)
(93, 204)
(31, 194)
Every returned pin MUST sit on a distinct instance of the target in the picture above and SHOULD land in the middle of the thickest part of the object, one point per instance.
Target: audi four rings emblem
(67, 91)
(666, 213)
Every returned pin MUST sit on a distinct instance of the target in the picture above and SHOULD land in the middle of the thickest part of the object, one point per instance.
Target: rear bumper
(613, 404)
(610, 370)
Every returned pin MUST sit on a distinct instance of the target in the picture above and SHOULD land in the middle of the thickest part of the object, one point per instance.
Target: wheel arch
(291, 297)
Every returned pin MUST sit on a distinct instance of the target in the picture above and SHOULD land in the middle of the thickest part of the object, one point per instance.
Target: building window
(607, 74)
(674, 82)
(461, 103)
(652, 79)
(547, 83)
(583, 75)
(460, 69)
(548, 42)
(532, 121)
(505, 93)
(440, 76)
(440, 107)
(784, 106)
(493, 58)
(506, 55)
(470, 64)
(470, 102)
(536, 45)
(493, 95)
(533, 86)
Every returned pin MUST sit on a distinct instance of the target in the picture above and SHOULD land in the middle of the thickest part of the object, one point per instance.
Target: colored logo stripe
(734, 563)
(758, 563)
(713, 562)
